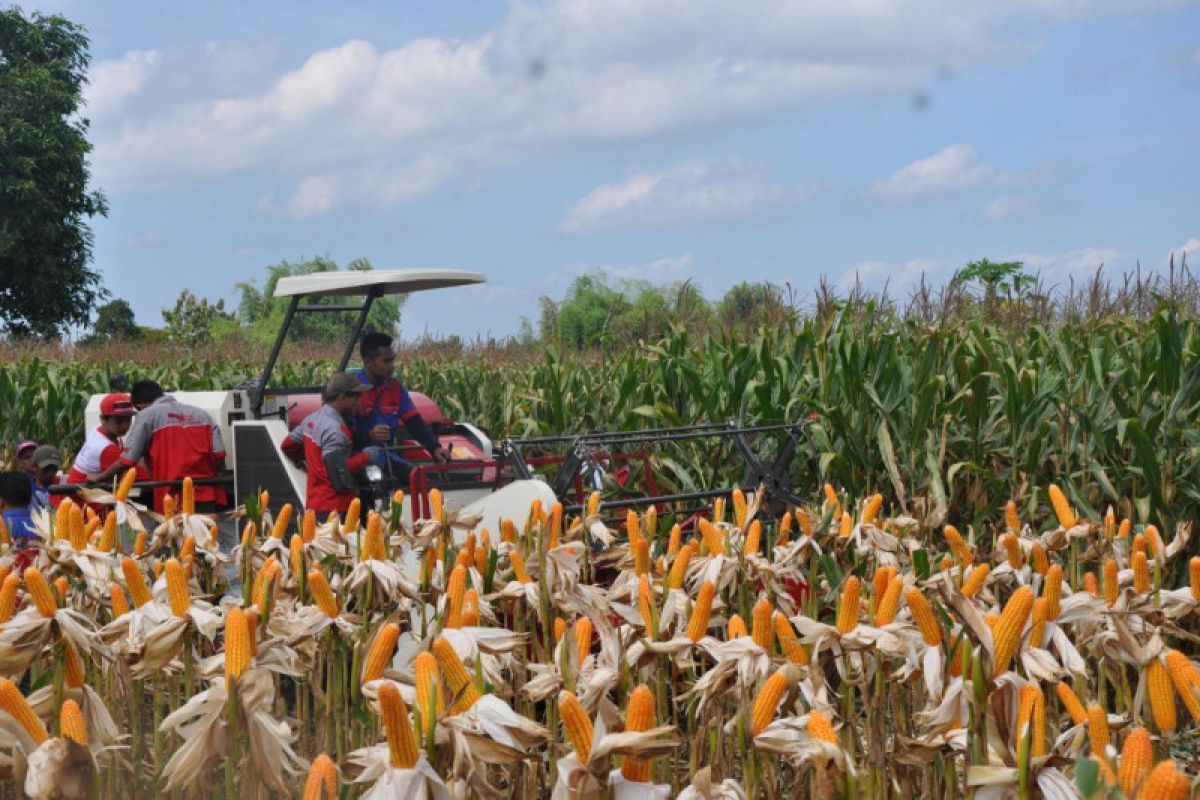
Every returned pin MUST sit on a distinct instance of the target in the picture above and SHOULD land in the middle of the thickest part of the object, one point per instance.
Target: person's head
(342, 391)
(15, 491)
(48, 462)
(144, 393)
(379, 359)
(24, 454)
(116, 414)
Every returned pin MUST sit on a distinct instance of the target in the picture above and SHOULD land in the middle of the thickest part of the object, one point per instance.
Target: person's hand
(443, 455)
(381, 433)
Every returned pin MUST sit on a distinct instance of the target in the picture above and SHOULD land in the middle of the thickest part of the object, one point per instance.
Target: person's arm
(293, 445)
(341, 463)
(419, 429)
(136, 442)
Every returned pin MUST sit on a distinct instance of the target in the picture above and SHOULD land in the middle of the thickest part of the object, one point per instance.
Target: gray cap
(341, 383)
(47, 455)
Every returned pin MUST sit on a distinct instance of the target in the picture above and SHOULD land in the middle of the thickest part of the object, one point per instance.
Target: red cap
(117, 404)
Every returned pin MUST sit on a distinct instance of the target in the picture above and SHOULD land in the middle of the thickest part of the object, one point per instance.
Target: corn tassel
(1165, 782)
(1062, 508)
(1137, 756)
(1007, 635)
(16, 706)
(322, 782)
(975, 580)
(761, 627)
(70, 722)
(40, 592)
(639, 716)
(458, 680)
(237, 645)
(847, 614)
(576, 724)
(402, 746)
(380, 654)
(701, 612)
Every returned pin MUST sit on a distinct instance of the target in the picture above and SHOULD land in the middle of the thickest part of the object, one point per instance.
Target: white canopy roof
(388, 281)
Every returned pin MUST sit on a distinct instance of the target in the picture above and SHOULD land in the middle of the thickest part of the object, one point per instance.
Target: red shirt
(177, 441)
(323, 436)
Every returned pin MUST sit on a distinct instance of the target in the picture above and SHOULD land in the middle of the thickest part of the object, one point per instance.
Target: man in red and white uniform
(102, 447)
(176, 441)
(324, 442)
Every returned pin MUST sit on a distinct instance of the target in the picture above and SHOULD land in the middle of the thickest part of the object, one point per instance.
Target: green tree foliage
(261, 313)
(753, 305)
(46, 285)
(115, 320)
(194, 321)
(597, 311)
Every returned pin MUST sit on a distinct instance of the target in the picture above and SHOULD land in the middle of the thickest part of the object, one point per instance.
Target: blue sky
(660, 139)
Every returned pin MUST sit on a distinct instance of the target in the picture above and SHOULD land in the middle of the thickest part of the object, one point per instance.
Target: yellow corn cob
(430, 700)
(8, 597)
(252, 629)
(889, 604)
(464, 559)
(880, 580)
(157, 568)
(296, 555)
(1139, 543)
(820, 727)
(1165, 782)
(753, 538)
(380, 654)
(701, 612)
(1012, 547)
(177, 588)
(1154, 540)
(1052, 590)
(126, 484)
(1091, 583)
(784, 535)
(189, 496)
(639, 716)
(711, 537)
(583, 637)
(458, 680)
(353, 514)
(788, 641)
(556, 515)
(74, 672)
(322, 595)
(1011, 521)
(680, 565)
(846, 526)
(61, 586)
(1062, 508)
(1112, 588)
(1041, 613)
(1162, 696)
(282, 521)
(402, 746)
(1025, 707)
(1186, 680)
(735, 628)
(508, 531)
(456, 587)
(518, 566)
(633, 528)
(120, 606)
(1097, 722)
(264, 500)
(961, 652)
(322, 782)
(1041, 561)
(975, 580)
(593, 504)
(641, 557)
(308, 528)
(139, 544)
(1137, 756)
(718, 514)
(646, 606)
(1038, 741)
(946, 563)
(249, 533)
(992, 619)
(739, 508)
(436, 506)
(923, 616)
(1071, 703)
(1194, 577)
(39, 591)
(1125, 528)
(1110, 524)
(761, 627)
(188, 550)
(831, 498)
(16, 706)
(958, 546)
(871, 509)
(766, 702)
(169, 508)
(674, 540)
(1141, 573)
(373, 546)
(560, 629)
(470, 613)
(77, 532)
(847, 614)
(577, 725)
(70, 722)
(237, 645)
(1007, 635)
(5, 534)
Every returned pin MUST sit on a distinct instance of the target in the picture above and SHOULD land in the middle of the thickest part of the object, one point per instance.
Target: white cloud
(688, 194)
(143, 241)
(1072, 263)
(1188, 248)
(113, 81)
(958, 168)
(1006, 208)
(875, 276)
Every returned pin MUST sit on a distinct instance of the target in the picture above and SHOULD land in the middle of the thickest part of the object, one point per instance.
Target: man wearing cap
(24, 457)
(324, 443)
(47, 461)
(102, 448)
(176, 441)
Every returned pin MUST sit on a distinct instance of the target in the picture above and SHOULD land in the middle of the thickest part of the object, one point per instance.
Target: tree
(997, 277)
(46, 284)
(261, 313)
(753, 305)
(192, 321)
(114, 320)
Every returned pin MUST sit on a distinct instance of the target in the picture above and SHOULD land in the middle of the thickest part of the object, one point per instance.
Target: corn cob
(641, 557)
(583, 637)
(139, 544)
(126, 484)
(296, 556)
(885, 612)
(766, 702)
(456, 587)
(1052, 590)
(788, 641)
(518, 566)
(249, 533)
(1071, 703)
(593, 504)
(16, 706)
(646, 606)
(1194, 577)
(923, 616)
(1041, 613)
(871, 509)
(189, 496)
(322, 782)
(633, 528)
(736, 628)
(380, 654)
(353, 514)
(70, 722)
(674, 539)
(458, 680)
(680, 565)
(1165, 782)
(1030, 694)
(1139, 544)
(177, 588)
(1110, 524)
(753, 539)
(1136, 758)
(1091, 584)
(120, 606)
(1041, 561)
(74, 672)
(1062, 508)
(846, 527)
(1141, 573)
(975, 580)
(437, 507)
(77, 532)
(1038, 741)
(992, 619)
(946, 563)
(1097, 722)
(879, 582)
(1162, 696)
(1112, 588)
(639, 716)
(402, 746)
(761, 627)
(1124, 528)
(831, 500)
(188, 549)
(711, 538)
(8, 597)
(576, 724)
(5, 534)
(308, 526)
(958, 546)
(701, 612)
(1011, 521)
(651, 526)
(1016, 559)
(237, 645)
(430, 700)
(1154, 540)
(39, 591)
(61, 587)
(470, 613)
(321, 593)
(847, 615)
(1186, 680)
(560, 629)
(508, 531)
(718, 514)
(739, 508)
(1007, 635)
(820, 727)
(556, 516)
(373, 546)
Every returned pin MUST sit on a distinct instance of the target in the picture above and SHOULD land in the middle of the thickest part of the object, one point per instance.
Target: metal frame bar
(257, 405)
(374, 293)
